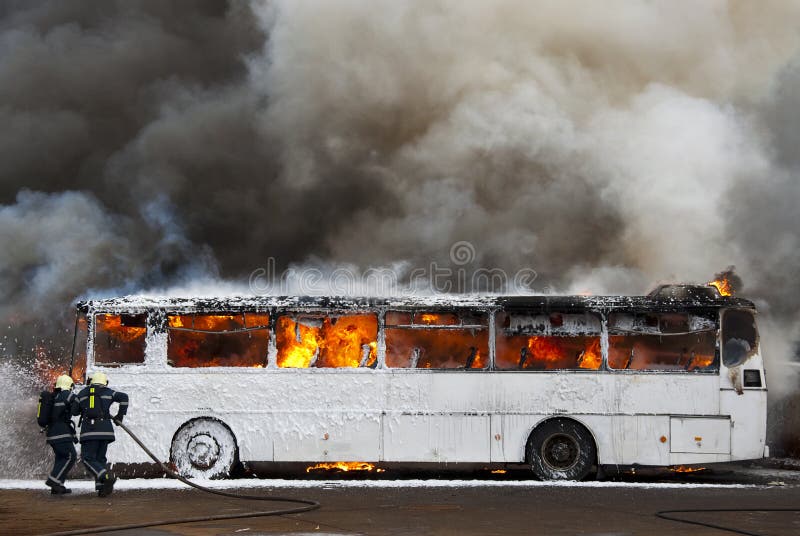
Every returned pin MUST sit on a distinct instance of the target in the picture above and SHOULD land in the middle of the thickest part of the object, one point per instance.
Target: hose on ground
(307, 504)
(664, 515)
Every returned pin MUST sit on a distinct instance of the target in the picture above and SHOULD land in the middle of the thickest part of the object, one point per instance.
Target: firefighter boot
(60, 490)
(106, 484)
(57, 489)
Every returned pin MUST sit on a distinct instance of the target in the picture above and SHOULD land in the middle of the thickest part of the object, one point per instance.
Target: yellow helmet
(99, 377)
(64, 382)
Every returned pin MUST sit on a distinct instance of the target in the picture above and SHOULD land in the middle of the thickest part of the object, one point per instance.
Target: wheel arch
(552, 418)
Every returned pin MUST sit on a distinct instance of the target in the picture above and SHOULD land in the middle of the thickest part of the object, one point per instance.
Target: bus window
(662, 341)
(739, 337)
(555, 341)
(218, 340)
(433, 340)
(327, 341)
(119, 339)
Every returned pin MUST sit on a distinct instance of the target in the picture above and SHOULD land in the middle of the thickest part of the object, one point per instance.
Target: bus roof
(664, 301)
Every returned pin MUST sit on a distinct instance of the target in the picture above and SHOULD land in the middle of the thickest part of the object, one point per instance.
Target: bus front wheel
(561, 449)
(204, 448)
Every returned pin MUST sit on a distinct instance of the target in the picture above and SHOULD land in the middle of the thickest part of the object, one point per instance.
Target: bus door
(743, 388)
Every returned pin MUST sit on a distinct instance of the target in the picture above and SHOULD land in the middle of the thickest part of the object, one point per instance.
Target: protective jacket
(61, 429)
(93, 404)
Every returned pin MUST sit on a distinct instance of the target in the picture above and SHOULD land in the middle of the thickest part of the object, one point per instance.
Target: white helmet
(99, 377)
(64, 382)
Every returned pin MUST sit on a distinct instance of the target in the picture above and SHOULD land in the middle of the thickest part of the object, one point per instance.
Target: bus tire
(204, 448)
(561, 449)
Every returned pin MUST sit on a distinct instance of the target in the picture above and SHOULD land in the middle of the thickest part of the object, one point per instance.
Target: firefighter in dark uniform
(61, 435)
(93, 404)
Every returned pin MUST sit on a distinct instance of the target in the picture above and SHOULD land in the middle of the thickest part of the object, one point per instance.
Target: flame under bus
(673, 378)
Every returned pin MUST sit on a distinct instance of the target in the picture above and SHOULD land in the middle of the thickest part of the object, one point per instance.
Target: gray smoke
(608, 146)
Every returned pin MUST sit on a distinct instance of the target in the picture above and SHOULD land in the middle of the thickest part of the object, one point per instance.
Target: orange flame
(723, 285)
(343, 466)
(436, 348)
(112, 324)
(548, 352)
(437, 319)
(699, 361)
(685, 469)
(336, 342)
(226, 345)
(592, 357)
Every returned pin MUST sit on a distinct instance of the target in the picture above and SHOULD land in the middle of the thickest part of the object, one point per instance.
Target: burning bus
(563, 384)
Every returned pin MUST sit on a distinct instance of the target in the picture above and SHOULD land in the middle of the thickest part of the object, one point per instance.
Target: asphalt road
(624, 508)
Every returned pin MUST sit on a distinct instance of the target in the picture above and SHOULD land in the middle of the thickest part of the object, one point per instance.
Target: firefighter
(61, 435)
(93, 404)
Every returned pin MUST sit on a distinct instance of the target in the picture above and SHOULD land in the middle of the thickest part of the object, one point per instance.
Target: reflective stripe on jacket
(98, 397)
(60, 430)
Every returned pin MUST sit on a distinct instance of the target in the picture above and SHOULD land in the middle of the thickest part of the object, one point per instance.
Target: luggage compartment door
(700, 435)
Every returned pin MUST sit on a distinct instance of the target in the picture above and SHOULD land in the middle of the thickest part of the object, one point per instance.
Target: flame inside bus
(555, 350)
(332, 341)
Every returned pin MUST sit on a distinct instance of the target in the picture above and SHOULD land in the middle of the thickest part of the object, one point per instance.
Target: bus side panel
(437, 417)
(436, 438)
(665, 393)
(326, 436)
(314, 415)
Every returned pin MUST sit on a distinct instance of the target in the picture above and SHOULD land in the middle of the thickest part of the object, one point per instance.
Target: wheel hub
(560, 451)
(203, 451)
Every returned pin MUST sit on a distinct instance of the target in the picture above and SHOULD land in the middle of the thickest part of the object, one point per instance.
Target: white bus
(564, 384)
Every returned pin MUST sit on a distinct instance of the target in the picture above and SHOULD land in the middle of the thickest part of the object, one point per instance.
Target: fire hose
(307, 504)
(664, 514)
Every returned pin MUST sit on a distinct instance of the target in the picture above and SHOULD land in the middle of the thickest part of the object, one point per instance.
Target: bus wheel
(561, 449)
(204, 448)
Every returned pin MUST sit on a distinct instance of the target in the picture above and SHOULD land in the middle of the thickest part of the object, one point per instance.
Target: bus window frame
(689, 311)
(166, 328)
(91, 354)
(602, 335)
(487, 313)
(294, 312)
(721, 332)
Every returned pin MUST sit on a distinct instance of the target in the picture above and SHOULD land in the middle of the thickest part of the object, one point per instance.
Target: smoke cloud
(610, 146)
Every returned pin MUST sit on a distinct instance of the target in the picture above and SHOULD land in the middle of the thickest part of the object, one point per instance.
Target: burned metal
(668, 298)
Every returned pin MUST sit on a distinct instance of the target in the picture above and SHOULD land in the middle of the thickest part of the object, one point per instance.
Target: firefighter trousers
(65, 459)
(93, 454)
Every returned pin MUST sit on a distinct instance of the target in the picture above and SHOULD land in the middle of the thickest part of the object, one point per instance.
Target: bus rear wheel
(561, 449)
(204, 448)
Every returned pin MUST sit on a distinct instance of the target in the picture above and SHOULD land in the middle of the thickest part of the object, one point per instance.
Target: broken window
(739, 337)
(119, 339)
(548, 341)
(327, 341)
(218, 340)
(662, 341)
(433, 340)
(78, 363)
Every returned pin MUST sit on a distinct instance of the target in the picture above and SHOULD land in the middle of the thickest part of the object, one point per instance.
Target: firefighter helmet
(64, 382)
(99, 377)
